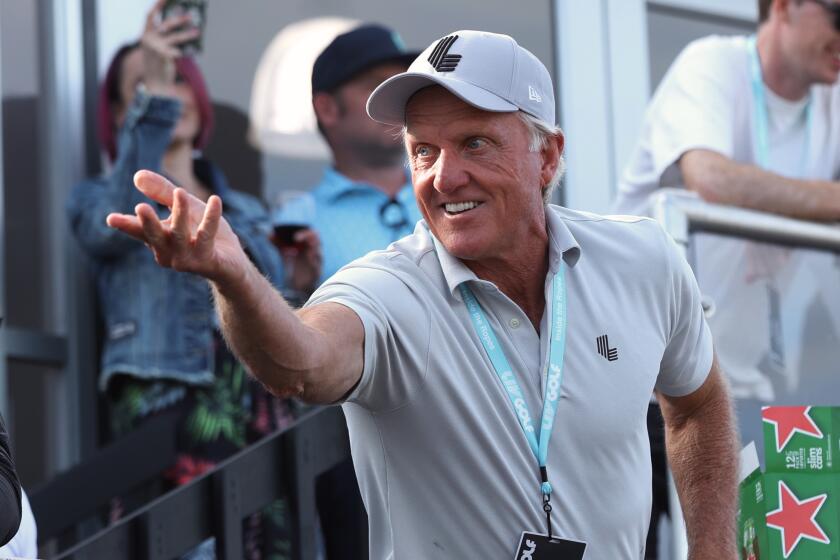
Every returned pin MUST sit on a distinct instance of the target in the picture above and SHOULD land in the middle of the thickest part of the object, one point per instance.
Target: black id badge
(539, 547)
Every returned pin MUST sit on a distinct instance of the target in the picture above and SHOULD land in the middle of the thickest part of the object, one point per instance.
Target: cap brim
(387, 102)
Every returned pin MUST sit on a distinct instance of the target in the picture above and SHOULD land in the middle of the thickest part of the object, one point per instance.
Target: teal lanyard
(761, 133)
(557, 331)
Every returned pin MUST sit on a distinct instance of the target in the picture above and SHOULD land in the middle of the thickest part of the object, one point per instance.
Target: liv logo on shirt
(604, 349)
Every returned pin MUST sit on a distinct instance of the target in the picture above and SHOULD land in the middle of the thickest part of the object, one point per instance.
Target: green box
(752, 528)
(790, 516)
(801, 439)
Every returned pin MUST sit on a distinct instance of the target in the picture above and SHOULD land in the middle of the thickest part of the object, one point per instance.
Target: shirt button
(514, 323)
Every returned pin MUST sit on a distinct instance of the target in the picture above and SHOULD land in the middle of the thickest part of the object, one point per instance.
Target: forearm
(142, 142)
(720, 180)
(263, 331)
(703, 458)
(286, 350)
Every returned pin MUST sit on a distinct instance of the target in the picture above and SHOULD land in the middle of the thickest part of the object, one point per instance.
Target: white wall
(118, 22)
(603, 91)
(19, 48)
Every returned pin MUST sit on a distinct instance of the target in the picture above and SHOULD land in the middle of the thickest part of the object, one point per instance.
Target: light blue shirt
(350, 219)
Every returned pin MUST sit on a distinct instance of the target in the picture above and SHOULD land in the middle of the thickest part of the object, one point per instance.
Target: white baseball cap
(487, 70)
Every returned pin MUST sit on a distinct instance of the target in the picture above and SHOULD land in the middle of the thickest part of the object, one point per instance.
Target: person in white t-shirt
(753, 122)
(25, 542)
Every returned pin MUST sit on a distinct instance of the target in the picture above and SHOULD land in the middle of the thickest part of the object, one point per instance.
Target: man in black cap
(365, 200)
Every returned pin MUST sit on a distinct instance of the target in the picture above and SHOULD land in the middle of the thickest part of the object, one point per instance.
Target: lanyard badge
(554, 376)
(761, 127)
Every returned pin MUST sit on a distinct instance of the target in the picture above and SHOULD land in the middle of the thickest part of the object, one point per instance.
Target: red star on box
(787, 420)
(797, 519)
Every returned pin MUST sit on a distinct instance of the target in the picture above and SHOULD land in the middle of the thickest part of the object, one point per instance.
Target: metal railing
(285, 464)
(683, 213)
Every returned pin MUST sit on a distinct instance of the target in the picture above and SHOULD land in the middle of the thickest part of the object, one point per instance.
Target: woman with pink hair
(162, 349)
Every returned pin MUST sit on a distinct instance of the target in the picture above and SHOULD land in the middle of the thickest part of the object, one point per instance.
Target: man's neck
(521, 277)
(389, 180)
(783, 77)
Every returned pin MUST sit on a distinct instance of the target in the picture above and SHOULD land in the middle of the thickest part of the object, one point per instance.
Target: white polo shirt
(444, 467)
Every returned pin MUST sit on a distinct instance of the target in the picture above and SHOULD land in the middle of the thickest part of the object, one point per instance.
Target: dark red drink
(284, 235)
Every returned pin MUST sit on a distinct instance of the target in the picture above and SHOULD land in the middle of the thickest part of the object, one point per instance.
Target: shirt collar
(335, 185)
(561, 244)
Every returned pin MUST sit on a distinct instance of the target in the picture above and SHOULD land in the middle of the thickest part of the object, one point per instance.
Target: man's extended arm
(702, 451)
(718, 179)
(316, 353)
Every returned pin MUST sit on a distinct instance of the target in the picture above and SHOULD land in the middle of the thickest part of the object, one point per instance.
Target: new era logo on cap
(534, 95)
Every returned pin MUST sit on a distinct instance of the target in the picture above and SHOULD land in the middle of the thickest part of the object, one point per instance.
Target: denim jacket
(158, 322)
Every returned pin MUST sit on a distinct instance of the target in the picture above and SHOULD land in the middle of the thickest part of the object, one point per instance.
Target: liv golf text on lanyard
(557, 330)
(761, 136)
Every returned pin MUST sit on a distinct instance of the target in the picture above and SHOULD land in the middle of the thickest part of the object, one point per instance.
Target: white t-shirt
(25, 542)
(705, 101)
(443, 465)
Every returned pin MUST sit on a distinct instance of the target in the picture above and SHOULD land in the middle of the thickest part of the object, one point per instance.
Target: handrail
(72, 496)
(682, 213)
(283, 464)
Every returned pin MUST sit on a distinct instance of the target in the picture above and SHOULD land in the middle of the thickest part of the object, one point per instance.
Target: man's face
(477, 184)
(811, 42)
(353, 127)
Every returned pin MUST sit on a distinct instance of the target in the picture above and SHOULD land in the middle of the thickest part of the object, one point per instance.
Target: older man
(495, 367)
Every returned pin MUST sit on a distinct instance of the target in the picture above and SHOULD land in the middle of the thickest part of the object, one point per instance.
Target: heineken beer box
(752, 530)
(791, 516)
(801, 438)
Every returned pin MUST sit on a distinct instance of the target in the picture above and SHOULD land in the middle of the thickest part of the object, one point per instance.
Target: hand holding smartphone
(196, 10)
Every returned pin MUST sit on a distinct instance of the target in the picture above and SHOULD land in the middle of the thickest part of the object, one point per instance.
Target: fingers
(176, 38)
(173, 22)
(180, 218)
(209, 225)
(152, 16)
(309, 243)
(127, 224)
(153, 231)
(155, 186)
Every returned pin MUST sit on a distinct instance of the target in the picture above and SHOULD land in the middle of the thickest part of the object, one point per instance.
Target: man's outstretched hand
(194, 238)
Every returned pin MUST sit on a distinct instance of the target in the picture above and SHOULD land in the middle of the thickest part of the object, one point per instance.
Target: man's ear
(551, 154)
(326, 107)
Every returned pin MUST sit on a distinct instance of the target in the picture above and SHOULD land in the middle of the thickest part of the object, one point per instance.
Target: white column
(603, 86)
(62, 139)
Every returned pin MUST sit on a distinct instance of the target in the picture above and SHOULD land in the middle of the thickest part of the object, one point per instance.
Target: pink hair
(110, 97)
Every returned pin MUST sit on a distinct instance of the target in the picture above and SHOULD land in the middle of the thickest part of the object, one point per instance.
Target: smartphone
(197, 10)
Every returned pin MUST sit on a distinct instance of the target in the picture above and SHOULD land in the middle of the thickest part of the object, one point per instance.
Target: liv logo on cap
(440, 59)
(490, 71)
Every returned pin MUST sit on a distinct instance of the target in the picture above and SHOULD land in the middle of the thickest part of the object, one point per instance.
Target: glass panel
(775, 315)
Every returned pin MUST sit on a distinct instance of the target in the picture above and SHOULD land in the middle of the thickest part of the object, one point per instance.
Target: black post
(227, 515)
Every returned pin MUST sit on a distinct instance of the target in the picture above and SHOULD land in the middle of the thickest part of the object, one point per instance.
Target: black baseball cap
(355, 51)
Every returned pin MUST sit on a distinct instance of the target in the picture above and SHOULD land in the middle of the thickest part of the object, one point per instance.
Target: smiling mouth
(453, 208)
